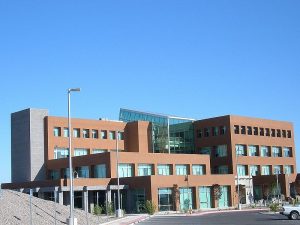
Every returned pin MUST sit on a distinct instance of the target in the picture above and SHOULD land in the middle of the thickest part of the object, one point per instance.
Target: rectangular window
(264, 151)
(253, 150)
(255, 131)
(265, 170)
(278, 132)
(273, 132)
(221, 151)
(287, 152)
(61, 153)
(165, 199)
(120, 135)
(240, 150)
(236, 129)
(206, 132)
(254, 170)
(96, 151)
(243, 130)
(66, 132)
(83, 172)
(222, 130)
(86, 133)
(205, 197)
(80, 151)
(197, 169)
(100, 171)
(56, 131)
(267, 132)
(199, 133)
(276, 169)
(186, 198)
(284, 133)
(289, 134)
(76, 133)
(242, 170)
(103, 134)
(276, 152)
(66, 172)
(181, 170)
(163, 169)
(205, 151)
(54, 175)
(145, 170)
(288, 169)
(215, 131)
(249, 130)
(95, 134)
(125, 170)
(112, 135)
(222, 169)
(262, 131)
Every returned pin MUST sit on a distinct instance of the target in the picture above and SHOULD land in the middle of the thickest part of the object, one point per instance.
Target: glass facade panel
(276, 152)
(276, 169)
(264, 151)
(224, 200)
(265, 170)
(144, 169)
(165, 202)
(181, 169)
(100, 171)
(253, 150)
(254, 170)
(241, 170)
(125, 170)
(83, 172)
(197, 169)
(61, 153)
(287, 152)
(163, 169)
(205, 197)
(185, 198)
(222, 169)
(288, 169)
(221, 151)
(80, 151)
(240, 150)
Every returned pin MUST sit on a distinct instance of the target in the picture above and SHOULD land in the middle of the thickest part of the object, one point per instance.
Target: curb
(137, 221)
(225, 211)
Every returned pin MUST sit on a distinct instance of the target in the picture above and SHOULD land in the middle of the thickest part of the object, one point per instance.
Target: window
(241, 169)
(206, 132)
(267, 132)
(199, 133)
(264, 151)
(76, 132)
(144, 169)
(249, 130)
(222, 169)
(243, 130)
(205, 151)
(254, 170)
(165, 199)
(66, 132)
(83, 172)
(61, 153)
(276, 152)
(276, 169)
(253, 150)
(56, 131)
(222, 130)
(95, 134)
(265, 170)
(287, 152)
(100, 171)
(221, 151)
(262, 131)
(288, 169)
(120, 135)
(125, 170)
(215, 131)
(103, 134)
(96, 151)
(66, 172)
(255, 131)
(112, 135)
(236, 129)
(289, 134)
(163, 169)
(273, 132)
(205, 197)
(181, 170)
(86, 133)
(284, 133)
(197, 169)
(240, 150)
(80, 151)
(278, 132)
(54, 175)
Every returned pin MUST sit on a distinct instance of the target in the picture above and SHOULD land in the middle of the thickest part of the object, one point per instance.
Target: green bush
(98, 210)
(274, 207)
(110, 208)
(150, 207)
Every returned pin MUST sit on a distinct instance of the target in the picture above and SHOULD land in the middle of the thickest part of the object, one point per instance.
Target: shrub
(150, 207)
(98, 210)
(274, 207)
(110, 208)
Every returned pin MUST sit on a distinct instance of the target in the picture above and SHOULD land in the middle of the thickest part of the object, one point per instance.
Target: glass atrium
(170, 134)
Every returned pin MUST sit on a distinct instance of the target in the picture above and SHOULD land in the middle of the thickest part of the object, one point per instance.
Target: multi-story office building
(178, 163)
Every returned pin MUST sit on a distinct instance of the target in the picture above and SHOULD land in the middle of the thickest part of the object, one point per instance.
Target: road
(226, 218)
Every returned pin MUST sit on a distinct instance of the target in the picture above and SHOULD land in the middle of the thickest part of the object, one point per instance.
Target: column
(85, 199)
(60, 197)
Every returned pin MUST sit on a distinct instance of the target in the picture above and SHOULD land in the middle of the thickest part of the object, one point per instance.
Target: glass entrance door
(205, 197)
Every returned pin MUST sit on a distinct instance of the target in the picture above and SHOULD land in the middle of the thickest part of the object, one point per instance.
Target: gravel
(15, 210)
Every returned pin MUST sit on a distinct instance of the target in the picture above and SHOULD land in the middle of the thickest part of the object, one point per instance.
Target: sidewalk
(128, 219)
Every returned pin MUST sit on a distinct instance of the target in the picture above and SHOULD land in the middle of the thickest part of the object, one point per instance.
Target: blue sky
(196, 59)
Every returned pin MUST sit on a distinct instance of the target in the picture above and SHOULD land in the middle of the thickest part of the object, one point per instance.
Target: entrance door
(205, 197)
(224, 200)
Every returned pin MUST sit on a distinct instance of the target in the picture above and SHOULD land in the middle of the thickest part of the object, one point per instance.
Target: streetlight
(118, 211)
(277, 173)
(71, 220)
(237, 175)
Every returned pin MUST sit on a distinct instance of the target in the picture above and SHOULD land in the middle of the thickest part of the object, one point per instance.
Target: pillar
(60, 197)
(85, 199)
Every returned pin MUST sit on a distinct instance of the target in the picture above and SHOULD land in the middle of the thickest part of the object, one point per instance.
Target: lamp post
(237, 176)
(71, 220)
(118, 211)
(277, 184)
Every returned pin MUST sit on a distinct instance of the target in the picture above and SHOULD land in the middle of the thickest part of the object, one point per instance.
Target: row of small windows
(211, 131)
(127, 170)
(262, 131)
(64, 152)
(255, 170)
(263, 151)
(87, 133)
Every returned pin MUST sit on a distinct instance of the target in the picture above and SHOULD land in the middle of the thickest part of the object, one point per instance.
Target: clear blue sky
(196, 59)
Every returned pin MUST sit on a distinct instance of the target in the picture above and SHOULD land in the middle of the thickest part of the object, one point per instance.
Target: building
(178, 163)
